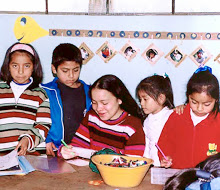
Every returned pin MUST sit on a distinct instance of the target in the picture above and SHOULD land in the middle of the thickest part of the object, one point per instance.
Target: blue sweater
(56, 132)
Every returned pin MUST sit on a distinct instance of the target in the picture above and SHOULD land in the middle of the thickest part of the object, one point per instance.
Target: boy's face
(68, 73)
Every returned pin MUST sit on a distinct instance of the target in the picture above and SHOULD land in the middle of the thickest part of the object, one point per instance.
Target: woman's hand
(23, 145)
(68, 153)
(179, 109)
(166, 163)
(50, 147)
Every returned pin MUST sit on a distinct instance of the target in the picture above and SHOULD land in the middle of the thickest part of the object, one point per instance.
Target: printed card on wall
(200, 56)
(129, 51)
(152, 54)
(106, 52)
(176, 56)
(217, 58)
(87, 54)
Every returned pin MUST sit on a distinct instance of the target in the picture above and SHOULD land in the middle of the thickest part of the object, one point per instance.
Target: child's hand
(166, 163)
(50, 147)
(179, 109)
(23, 145)
(68, 153)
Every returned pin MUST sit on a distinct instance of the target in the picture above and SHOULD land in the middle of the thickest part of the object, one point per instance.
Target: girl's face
(148, 104)
(201, 103)
(105, 104)
(68, 73)
(21, 67)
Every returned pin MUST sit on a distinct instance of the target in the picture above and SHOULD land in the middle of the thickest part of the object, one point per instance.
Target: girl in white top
(156, 98)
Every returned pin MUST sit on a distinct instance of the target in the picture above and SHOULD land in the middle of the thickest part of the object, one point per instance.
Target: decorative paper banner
(176, 56)
(129, 51)
(217, 58)
(106, 52)
(152, 54)
(200, 55)
(87, 54)
(135, 34)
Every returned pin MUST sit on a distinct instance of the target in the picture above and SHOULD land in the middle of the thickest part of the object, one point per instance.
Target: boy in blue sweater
(69, 96)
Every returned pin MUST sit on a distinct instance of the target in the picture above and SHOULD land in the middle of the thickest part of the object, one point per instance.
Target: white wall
(130, 72)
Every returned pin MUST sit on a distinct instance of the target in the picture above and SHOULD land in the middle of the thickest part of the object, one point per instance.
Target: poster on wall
(200, 56)
(152, 54)
(106, 52)
(87, 54)
(176, 56)
(129, 51)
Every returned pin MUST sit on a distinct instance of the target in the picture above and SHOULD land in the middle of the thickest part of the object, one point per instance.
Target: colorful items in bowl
(122, 171)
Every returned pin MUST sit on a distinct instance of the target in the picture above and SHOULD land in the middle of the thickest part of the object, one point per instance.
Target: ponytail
(181, 179)
(205, 171)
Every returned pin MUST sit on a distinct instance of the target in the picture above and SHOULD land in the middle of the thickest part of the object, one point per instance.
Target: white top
(18, 89)
(153, 126)
(196, 119)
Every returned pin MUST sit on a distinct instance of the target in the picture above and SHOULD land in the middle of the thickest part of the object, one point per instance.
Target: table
(78, 180)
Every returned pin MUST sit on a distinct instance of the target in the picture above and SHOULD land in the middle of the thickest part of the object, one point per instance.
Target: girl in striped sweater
(24, 106)
(114, 122)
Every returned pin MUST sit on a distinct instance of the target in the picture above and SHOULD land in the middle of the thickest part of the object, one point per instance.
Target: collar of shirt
(18, 89)
(196, 119)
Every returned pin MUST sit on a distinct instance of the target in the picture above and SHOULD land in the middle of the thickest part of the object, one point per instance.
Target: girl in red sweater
(189, 138)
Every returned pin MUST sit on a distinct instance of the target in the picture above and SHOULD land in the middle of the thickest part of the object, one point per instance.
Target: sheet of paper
(39, 163)
(83, 152)
(50, 164)
(160, 175)
(12, 164)
(78, 162)
(9, 160)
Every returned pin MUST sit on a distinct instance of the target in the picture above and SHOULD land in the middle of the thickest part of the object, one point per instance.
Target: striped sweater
(29, 116)
(124, 134)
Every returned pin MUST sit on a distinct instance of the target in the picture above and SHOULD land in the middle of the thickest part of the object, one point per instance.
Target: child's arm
(50, 147)
(136, 143)
(66, 152)
(72, 151)
(49, 137)
(179, 109)
(166, 162)
(81, 139)
(52, 134)
(82, 135)
(22, 146)
(43, 121)
(166, 143)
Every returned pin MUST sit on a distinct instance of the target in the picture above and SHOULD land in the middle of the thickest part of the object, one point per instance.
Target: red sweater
(185, 143)
(124, 134)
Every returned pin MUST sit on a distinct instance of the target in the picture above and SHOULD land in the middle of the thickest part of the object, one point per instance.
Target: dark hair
(114, 85)
(185, 177)
(204, 81)
(66, 52)
(151, 51)
(37, 73)
(156, 85)
(129, 48)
